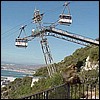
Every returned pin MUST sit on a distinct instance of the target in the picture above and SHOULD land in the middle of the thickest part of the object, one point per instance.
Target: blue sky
(14, 14)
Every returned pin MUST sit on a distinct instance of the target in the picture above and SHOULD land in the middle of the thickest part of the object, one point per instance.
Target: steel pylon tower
(37, 19)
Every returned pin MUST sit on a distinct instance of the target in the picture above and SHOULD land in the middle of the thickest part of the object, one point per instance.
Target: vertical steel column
(44, 44)
(47, 56)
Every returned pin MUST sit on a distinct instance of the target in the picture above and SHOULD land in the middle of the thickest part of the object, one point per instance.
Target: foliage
(45, 83)
(78, 58)
(22, 86)
(41, 72)
(56, 79)
(89, 76)
(19, 87)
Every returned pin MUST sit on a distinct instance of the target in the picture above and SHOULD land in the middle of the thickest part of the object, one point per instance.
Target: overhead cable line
(13, 27)
(23, 22)
(9, 34)
(3, 36)
(54, 9)
(47, 11)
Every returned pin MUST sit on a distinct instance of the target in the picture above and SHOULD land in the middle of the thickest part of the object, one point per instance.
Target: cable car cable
(47, 11)
(13, 32)
(14, 27)
(19, 25)
(27, 20)
(9, 34)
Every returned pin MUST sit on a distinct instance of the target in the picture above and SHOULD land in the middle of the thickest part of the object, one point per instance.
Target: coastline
(8, 78)
(11, 76)
(25, 71)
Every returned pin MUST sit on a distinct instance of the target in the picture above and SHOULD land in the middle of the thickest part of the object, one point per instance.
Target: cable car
(65, 19)
(20, 42)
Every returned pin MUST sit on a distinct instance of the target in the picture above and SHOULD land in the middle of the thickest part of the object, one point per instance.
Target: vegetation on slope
(22, 87)
(78, 59)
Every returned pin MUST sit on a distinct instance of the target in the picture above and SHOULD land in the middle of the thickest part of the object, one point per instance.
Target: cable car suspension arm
(22, 29)
(66, 5)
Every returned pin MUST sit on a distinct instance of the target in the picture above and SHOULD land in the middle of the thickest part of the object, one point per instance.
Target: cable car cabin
(65, 19)
(21, 42)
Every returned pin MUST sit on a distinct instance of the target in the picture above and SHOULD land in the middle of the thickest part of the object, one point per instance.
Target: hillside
(78, 59)
(70, 66)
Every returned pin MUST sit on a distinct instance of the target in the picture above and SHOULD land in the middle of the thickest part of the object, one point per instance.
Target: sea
(7, 73)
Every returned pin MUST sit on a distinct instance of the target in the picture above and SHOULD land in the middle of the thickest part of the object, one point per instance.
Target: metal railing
(68, 91)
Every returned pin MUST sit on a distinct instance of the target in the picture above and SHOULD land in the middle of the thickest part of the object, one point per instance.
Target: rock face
(90, 65)
(34, 80)
(70, 75)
